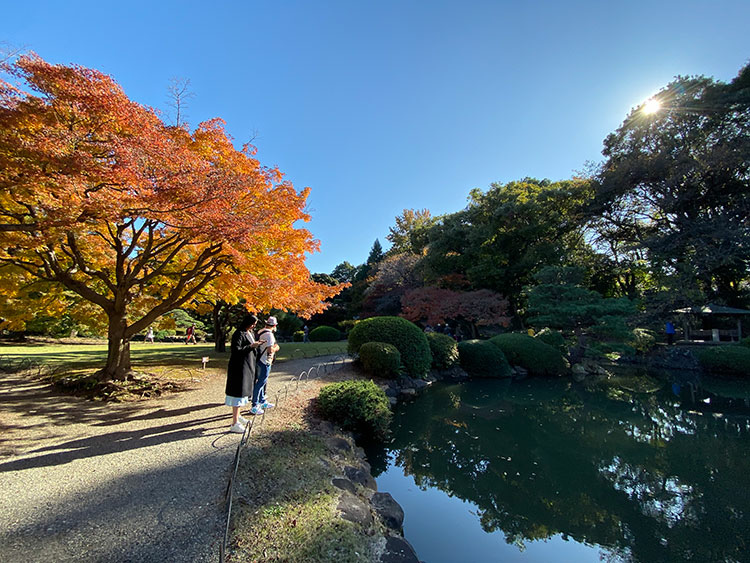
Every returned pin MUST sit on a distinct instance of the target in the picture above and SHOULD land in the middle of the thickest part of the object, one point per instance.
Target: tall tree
(507, 233)
(409, 234)
(676, 183)
(99, 198)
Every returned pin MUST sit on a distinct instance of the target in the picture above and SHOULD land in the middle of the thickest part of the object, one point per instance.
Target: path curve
(138, 482)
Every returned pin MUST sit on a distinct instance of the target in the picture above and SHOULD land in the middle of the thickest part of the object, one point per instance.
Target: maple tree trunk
(220, 335)
(118, 350)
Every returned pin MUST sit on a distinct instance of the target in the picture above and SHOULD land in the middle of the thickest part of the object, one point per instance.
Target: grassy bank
(286, 504)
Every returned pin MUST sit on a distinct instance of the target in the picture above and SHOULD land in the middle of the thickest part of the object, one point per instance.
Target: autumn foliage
(110, 213)
(435, 305)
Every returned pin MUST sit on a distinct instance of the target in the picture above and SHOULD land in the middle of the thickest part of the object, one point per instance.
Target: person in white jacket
(268, 348)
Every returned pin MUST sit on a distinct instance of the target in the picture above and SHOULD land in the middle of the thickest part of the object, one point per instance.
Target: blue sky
(382, 106)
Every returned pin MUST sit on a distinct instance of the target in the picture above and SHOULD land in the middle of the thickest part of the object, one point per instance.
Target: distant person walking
(268, 348)
(306, 331)
(190, 335)
(241, 371)
(669, 329)
(150, 335)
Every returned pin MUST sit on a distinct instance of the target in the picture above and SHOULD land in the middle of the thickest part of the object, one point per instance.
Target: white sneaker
(237, 428)
(242, 420)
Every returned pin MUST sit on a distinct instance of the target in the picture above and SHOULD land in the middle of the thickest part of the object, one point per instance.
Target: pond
(634, 469)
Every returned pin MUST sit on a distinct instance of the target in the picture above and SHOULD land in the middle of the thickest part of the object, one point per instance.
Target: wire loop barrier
(281, 396)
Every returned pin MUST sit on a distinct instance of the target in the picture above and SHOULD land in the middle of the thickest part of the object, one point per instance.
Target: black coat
(241, 368)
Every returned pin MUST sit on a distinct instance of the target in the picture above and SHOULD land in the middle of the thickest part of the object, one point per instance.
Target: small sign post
(205, 361)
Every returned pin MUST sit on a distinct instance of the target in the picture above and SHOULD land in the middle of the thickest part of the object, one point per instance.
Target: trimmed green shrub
(745, 342)
(643, 340)
(444, 350)
(164, 334)
(380, 359)
(531, 353)
(554, 338)
(404, 335)
(480, 358)
(347, 325)
(360, 406)
(733, 360)
(298, 336)
(325, 334)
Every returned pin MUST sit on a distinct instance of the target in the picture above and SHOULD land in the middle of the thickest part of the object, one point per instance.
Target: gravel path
(137, 482)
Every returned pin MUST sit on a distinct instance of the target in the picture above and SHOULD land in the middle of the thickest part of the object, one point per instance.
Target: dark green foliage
(530, 353)
(360, 406)
(325, 334)
(676, 187)
(444, 350)
(733, 360)
(560, 301)
(554, 338)
(298, 336)
(380, 359)
(508, 232)
(745, 342)
(480, 358)
(404, 335)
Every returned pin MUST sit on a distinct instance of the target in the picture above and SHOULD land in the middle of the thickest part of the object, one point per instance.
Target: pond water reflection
(636, 469)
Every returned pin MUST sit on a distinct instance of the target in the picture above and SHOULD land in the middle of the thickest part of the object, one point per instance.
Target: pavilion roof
(712, 309)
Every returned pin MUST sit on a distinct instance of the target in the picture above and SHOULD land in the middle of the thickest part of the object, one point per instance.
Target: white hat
(271, 321)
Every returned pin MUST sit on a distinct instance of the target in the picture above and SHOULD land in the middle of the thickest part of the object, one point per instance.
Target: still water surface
(635, 469)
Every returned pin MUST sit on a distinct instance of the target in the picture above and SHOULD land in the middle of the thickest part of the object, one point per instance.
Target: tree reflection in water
(646, 476)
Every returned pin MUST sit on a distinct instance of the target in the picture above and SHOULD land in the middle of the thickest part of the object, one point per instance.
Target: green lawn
(157, 354)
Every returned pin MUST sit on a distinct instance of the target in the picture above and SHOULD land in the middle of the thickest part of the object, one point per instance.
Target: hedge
(531, 353)
(732, 360)
(380, 359)
(444, 350)
(553, 338)
(407, 337)
(480, 358)
(360, 406)
(325, 334)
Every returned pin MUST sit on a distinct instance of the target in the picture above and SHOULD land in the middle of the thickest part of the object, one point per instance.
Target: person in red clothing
(191, 335)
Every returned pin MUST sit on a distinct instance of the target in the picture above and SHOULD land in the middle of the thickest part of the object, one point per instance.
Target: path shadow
(34, 398)
(114, 442)
(174, 513)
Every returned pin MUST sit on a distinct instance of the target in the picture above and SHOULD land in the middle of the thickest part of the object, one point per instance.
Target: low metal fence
(281, 396)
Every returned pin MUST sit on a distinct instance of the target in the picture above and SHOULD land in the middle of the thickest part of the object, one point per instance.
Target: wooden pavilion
(715, 334)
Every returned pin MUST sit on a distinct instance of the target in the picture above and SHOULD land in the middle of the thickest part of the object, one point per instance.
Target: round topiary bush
(298, 336)
(531, 353)
(731, 360)
(404, 335)
(325, 334)
(360, 406)
(380, 359)
(444, 350)
(480, 358)
(554, 338)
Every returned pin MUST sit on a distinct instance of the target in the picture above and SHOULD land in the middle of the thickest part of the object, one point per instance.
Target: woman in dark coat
(241, 371)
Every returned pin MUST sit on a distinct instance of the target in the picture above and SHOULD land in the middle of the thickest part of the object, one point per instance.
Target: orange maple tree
(110, 213)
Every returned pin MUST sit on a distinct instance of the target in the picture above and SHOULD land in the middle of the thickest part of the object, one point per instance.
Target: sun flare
(651, 106)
